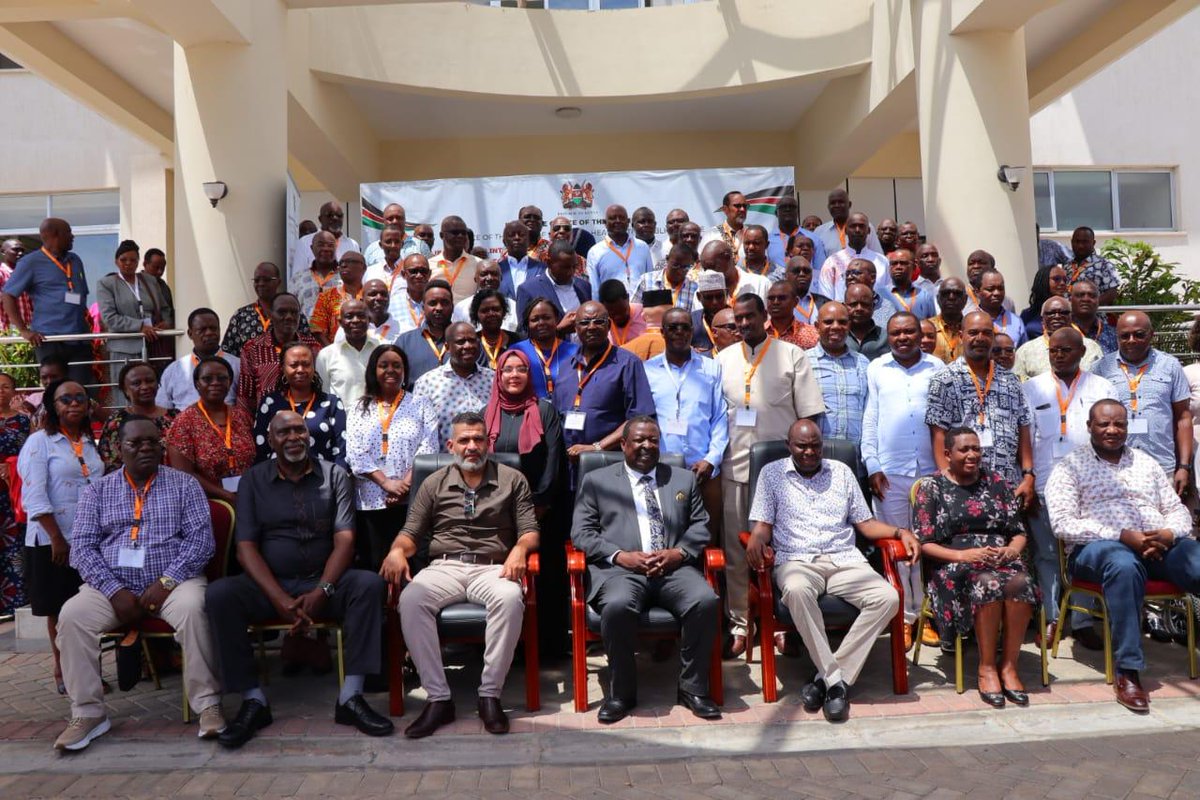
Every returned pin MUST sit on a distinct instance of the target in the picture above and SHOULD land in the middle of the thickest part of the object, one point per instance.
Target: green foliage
(19, 353)
(1148, 279)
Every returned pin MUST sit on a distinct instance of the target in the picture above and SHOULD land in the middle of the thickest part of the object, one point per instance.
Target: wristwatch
(1028, 472)
(1188, 467)
(596, 446)
(168, 583)
(328, 588)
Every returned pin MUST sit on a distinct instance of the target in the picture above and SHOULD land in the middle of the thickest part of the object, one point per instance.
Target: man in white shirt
(618, 255)
(517, 264)
(896, 447)
(342, 366)
(381, 324)
(833, 234)
(645, 227)
(393, 252)
(332, 217)
(1059, 401)
(832, 280)
(717, 256)
(487, 276)
(454, 264)
(734, 206)
(176, 389)
(393, 215)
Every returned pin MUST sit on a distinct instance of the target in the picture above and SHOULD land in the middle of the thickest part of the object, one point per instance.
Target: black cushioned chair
(465, 622)
(655, 622)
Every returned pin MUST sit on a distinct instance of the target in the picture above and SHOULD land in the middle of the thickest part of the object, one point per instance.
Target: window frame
(1114, 193)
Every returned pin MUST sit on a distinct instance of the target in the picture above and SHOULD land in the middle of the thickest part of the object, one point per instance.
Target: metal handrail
(87, 337)
(1147, 308)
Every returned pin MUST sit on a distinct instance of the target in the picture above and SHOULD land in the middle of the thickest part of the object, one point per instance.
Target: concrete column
(973, 116)
(230, 125)
(145, 200)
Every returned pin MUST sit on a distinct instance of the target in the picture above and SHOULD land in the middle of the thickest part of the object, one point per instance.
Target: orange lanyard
(66, 270)
(307, 408)
(77, 446)
(733, 294)
(971, 294)
(357, 295)
(417, 316)
(1001, 326)
(623, 256)
(812, 305)
(1134, 383)
(753, 368)
(460, 262)
(708, 329)
(263, 319)
(546, 364)
(766, 267)
(583, 379)
(621, 334)
(1064, 404)
(385, 420)
(951, 341)
(228, 432)
(912, 299)
(841, 232)
(432, 346)
(391, 275)
(982, 391)
(1077, 270)
(492, 354)
(775, 333)
(196, 361)
(321, 283)
(674, 292)
(139, 504)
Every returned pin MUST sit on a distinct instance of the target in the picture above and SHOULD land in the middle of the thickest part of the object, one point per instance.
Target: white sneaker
(212, 721)
(80, 732)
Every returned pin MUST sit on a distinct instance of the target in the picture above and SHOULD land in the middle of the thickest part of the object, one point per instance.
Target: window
(94, 216)
(1106, 200)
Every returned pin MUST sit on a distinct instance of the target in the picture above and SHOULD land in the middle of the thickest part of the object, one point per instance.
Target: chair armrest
(714, 559)
(533, 564)
(768, 558)
(576, 561)
(892, 549)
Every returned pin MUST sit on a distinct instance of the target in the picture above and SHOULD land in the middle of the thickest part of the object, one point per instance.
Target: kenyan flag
(763, 201)
(372, 217)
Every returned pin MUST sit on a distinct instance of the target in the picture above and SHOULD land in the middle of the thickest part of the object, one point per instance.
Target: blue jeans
(1123, 575)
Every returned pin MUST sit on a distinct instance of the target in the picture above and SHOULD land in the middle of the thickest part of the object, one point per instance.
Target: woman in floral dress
(969, 521)
(14, 430)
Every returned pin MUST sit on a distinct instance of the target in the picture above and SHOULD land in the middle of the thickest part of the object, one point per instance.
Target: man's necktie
(658, 539)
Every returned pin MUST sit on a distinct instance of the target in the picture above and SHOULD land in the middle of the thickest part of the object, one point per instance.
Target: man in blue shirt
(842, 374)
(903, 295)
(517, 264)
(787, 212)
(619, 255)
(692, 413)
(426, 346)
(54, 278)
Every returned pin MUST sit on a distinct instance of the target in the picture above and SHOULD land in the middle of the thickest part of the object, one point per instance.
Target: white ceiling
(138, 53)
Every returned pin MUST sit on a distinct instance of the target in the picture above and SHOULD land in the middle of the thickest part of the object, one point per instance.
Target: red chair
(654, 623)
(223, 518)
(769, 612)
(14, 490)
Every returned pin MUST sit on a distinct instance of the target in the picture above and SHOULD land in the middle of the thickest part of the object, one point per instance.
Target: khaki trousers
(736, 499)
(443, 583)
(89, 614)
(895, 509)
(801, 584)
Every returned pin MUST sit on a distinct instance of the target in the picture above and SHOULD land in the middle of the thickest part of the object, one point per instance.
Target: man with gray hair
(476, 519)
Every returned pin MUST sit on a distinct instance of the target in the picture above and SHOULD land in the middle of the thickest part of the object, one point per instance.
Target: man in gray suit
(643, 527)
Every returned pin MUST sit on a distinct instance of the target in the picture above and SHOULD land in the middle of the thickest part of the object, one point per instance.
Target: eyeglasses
(560, 227)
(1134, 336)
(729, 326)
(419, 271)
(258, 281)
(515, 369)
(469, 503)
(68, 399)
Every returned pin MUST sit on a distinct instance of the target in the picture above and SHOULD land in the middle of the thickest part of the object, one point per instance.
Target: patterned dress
(984, 514)
(13, 432)
(325, 419)
(109, 447)
(193, 436)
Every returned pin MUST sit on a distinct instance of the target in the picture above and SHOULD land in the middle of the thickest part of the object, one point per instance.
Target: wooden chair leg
(1108, 653)
(959, 684)
(341, 656)
(264, 671)
(187, 704)
(1042, 639)
(899, 660)
(1063, 619)
(395, 665)
(919, 630)
(533, 689)
(1189, 607)
(579, 667)
(150, 662)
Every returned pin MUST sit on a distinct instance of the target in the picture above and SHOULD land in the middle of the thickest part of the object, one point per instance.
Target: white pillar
(230, 125)
(973, 116)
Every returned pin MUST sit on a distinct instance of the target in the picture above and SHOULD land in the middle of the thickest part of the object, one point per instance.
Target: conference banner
(486, 204)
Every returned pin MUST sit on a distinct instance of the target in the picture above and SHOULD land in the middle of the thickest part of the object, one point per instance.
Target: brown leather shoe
(781, 643)
(492, 714)
(908, 637)
(736, 647)
(1130, 694)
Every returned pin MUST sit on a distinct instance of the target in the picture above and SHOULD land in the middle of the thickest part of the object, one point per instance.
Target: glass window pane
(1145, 199)
(88, 208)
(1041, 199)
(96, 250)
(610, 4)
(1083, 198)
(22, 211)
(581, 5)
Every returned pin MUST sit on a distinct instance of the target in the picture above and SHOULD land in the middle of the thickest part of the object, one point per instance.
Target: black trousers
(81, 373)
(376, 530)
(233, 603)
(625, 595)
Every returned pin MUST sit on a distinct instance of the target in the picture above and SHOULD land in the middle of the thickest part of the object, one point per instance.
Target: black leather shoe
(837, 702)
(1088, 638)
(700, 705)
(252, 717)
(812, 696)
(492, 714)
(356, 712)
(435, 714)
(993, 699)
(1016, 697)
(614, 710)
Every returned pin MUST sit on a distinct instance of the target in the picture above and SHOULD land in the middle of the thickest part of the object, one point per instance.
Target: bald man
(454, 264)
(393, 214)
(332, 218)
(833, 234)
(619, 255)
(1033, 357)
(832, 280)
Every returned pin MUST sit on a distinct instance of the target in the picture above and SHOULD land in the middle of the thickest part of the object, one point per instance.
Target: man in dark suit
(643, 527)
(517, 264)
(554, 283)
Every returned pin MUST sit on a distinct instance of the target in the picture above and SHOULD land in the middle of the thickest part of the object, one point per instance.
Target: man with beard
(425, 345)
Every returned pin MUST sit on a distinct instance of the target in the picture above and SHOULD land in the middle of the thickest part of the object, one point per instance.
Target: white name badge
(985, 437)
(675, 427)
(131, 557)
(74, 298)
(1061, 449)
(746, 418)
(575, 420)
(230, 484)
(1139, 425)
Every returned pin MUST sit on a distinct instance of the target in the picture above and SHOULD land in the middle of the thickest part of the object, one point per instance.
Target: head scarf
(501, 401)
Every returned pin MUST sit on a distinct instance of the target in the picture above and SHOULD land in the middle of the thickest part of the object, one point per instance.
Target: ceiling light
(568, 112)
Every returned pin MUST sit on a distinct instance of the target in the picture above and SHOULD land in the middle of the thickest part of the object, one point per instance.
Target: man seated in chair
(477, 519)
(643, 527)
(141, 539)
(805, 513)
(295, 541)
(1122, 522)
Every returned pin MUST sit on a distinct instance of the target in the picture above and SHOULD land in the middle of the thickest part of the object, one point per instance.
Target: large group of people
(985, 439)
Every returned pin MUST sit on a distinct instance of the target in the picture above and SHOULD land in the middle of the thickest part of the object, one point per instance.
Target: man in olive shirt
(477, 518)
(295, 541)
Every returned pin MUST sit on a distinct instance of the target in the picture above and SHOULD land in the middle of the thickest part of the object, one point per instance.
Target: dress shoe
(929, 635)
(812, 696)
(1088, 638)
(614, 710)
(356, 712)
(700, 705)
(252, 717)
(492, 714)
(837, 702)
(736, 647)
(781, 642)
(908, 637)
(435, 714)
(1017, 697)
(1130, 693)
(1049, 635)
(993, 699)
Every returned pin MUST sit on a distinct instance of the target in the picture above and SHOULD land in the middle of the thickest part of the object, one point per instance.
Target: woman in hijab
(518, 422)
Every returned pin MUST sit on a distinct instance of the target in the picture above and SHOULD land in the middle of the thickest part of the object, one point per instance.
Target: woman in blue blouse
(547, 353)
(300, 390)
